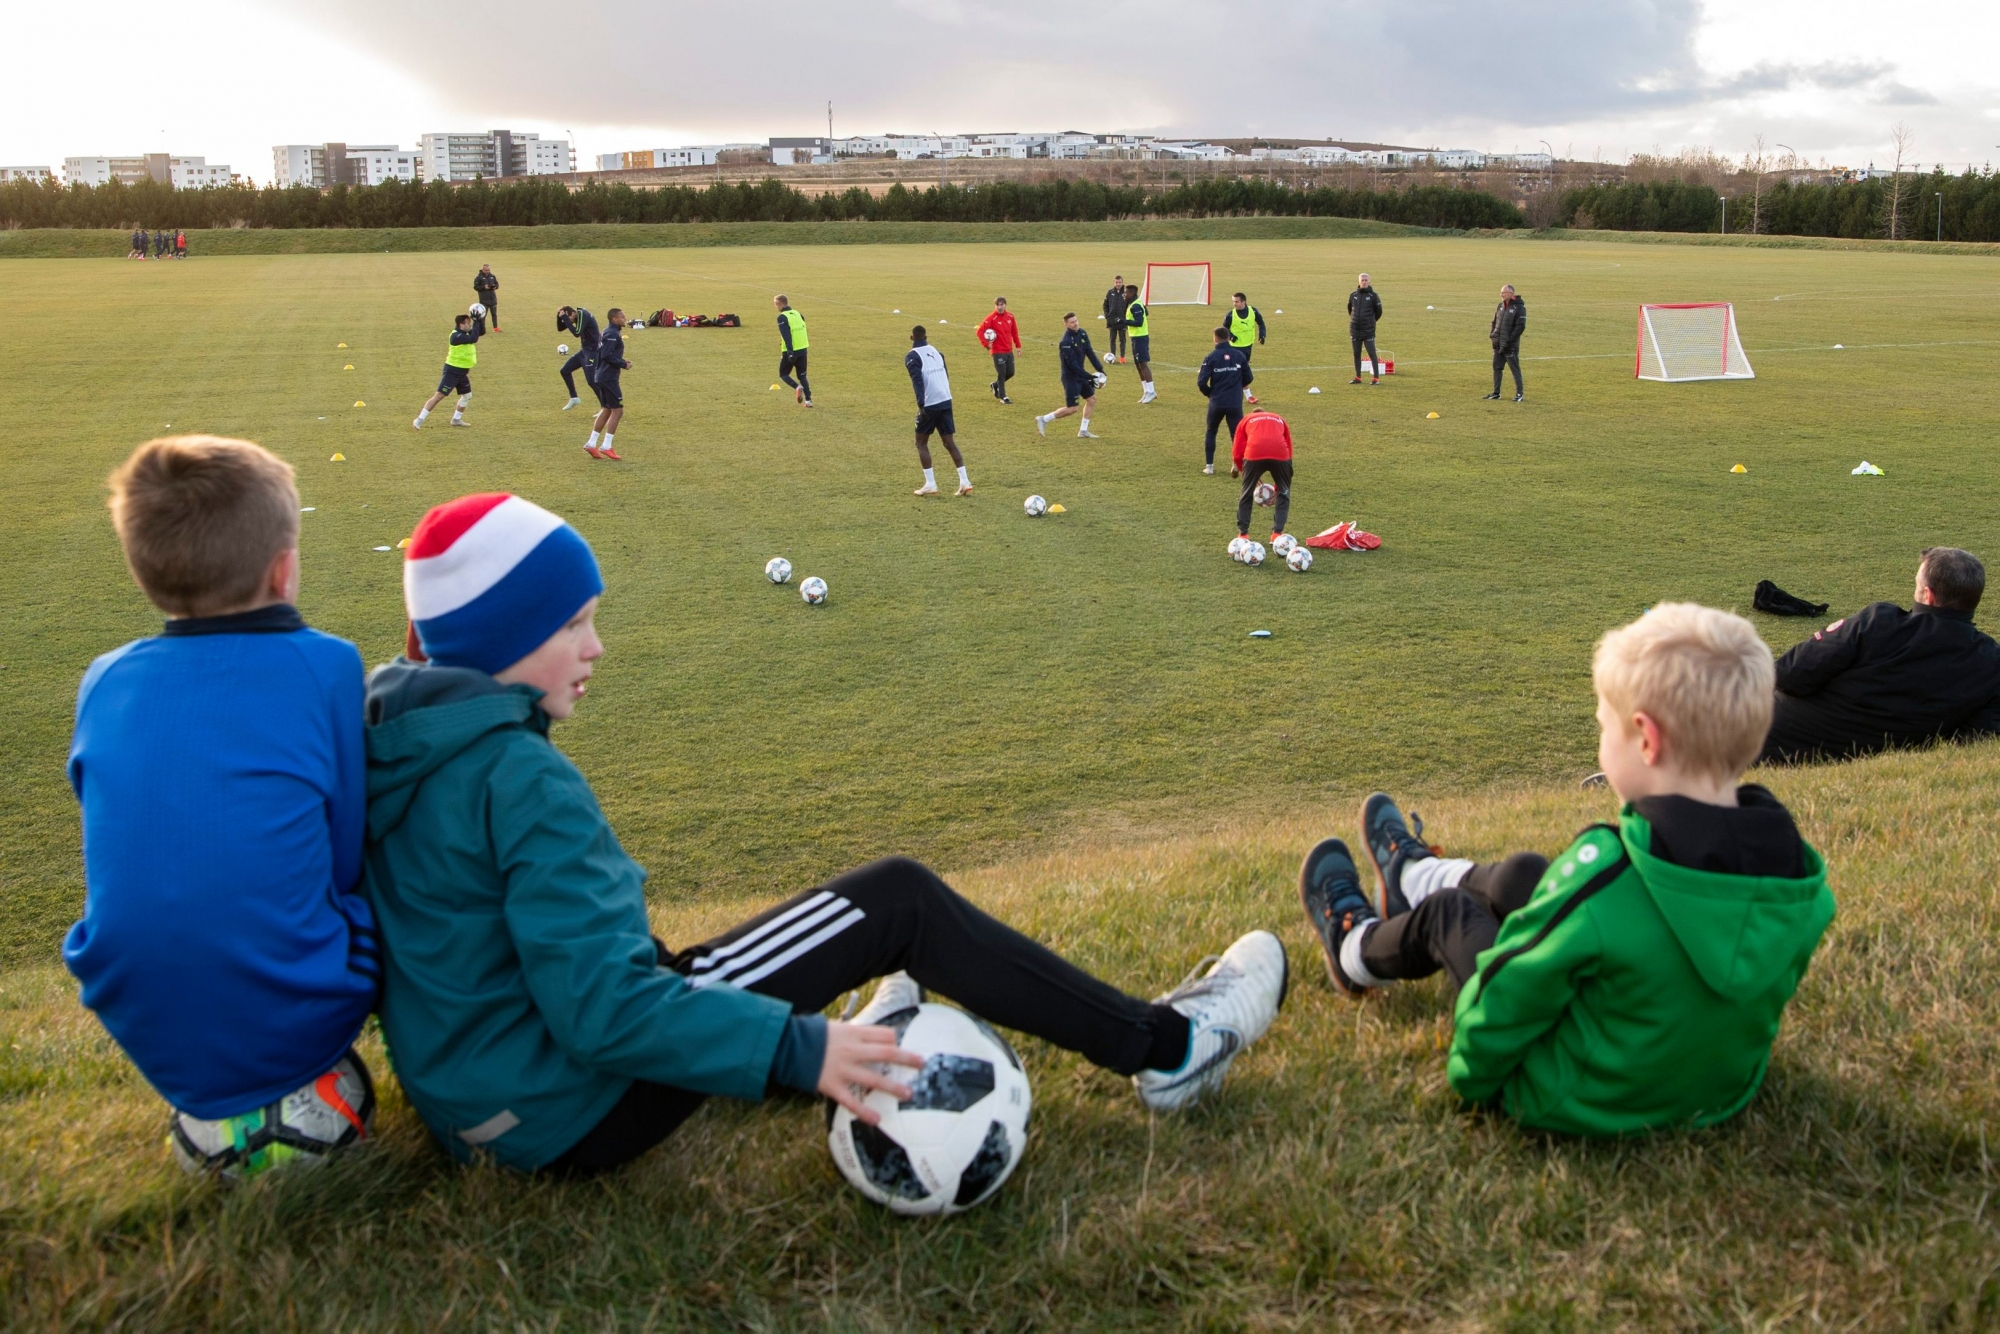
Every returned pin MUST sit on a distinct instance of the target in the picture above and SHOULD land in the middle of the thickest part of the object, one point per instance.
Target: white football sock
(1423, 878)
(963, 480)
(1085, 428)
(1046, 418)
(423, 413)
(929, 480)
(607, 441)
(592, 442)
(1350, 957)
(458, 415)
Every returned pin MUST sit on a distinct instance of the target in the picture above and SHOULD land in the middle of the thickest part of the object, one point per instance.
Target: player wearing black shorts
(1139, 327)
(577, 320)
(610, 362)
(459, 359)
(933, 389)
(792, 333)
(1082, 373)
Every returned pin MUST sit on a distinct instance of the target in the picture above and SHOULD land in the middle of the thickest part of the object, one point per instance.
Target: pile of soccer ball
(1286, 547)
(813, 588)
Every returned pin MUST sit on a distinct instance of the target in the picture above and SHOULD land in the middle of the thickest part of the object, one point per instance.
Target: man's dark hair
(1222, 332)
(999, 300)
(917, 334)
(1132, 290)
(1069, 314)
(1239, 297)
(462, 321)
(615, 310)
(1956, 578)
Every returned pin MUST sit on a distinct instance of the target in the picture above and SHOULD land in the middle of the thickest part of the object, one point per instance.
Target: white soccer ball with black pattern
(1266, 494)
(1035, 506)
(777, 569)
(1299, 559)
(1282, 544)
(813, 590)
(303, 1127)
(962, 1131)
(477, 310)
(562, 349)
(1237, 546)
(1253, 554)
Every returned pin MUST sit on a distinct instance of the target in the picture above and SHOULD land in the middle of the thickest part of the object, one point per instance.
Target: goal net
(1175, 285)
(1690, 342)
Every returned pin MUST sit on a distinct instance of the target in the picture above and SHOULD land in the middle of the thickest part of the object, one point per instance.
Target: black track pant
(1807, 729)
(1116, 336)
(795, 361)
(569, 370)
(1508, 357)
(887, 916)
(1221, 409)
(1450, 928)
(1003, 371)
(1360, 341)
(1281, 474)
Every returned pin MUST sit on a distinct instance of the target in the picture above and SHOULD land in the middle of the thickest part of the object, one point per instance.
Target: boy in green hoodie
(1638, 981)
(531, 1014)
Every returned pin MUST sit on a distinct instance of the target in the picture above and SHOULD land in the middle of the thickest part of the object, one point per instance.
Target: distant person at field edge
(1245, 324)
(1885, 677)
(577, 320)
(792, 338)
(461, 354)
(1638, 982)
(1510, 321)
(532, 1015)
(1001, 337)
(933, 388)
(1139, 325)
(160, 243)
(1263, 446)
(1364, 309)
(180, 245)
(224, 942)
(608, 363)
(1115, 304)
(1224, 375)
(138, 250)
(1082, 376)
(486, 288)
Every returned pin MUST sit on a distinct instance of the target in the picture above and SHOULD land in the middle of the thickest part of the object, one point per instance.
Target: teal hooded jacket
(1631, 993)
(521, 989)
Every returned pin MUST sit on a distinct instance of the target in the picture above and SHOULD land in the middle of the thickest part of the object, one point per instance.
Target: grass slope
(1336, 1184)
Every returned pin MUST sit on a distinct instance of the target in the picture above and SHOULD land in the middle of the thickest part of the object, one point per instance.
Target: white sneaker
(1208, 470)
(416, 423)
(1042, 426)
(926, 491)
(572, 403)
(894, 993)
(1227, 1008)
(1088, 435)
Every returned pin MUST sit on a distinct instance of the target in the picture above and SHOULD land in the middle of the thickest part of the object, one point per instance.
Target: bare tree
(1903, 138)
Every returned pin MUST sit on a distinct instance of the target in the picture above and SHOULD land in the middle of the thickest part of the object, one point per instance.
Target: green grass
(1073, 705)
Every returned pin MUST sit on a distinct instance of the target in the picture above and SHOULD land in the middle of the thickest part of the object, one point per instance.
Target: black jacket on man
(487, 285)
(1885, 677)
(1116, 303)
(1510, 321)
(1364, 307)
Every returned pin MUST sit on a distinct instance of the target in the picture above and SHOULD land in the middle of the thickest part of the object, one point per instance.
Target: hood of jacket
(1742, 933)
(421, 716)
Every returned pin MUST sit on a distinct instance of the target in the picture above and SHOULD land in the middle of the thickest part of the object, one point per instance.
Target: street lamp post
(1940, 199)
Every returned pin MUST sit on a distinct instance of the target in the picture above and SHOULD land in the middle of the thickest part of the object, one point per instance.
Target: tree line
(1896, 207)
(535, 203)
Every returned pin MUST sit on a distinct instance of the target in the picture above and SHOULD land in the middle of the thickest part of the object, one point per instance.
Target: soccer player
(1079, 384)
(487, 287)
(610, 361)
(1263, 445)
(1001, 337)
(933, 388)
(1115, 302)
(577, 320)
(1510, 321)
(459, 359)
(1364, 307)
(1224, 375)
(138, 250)
(160, 243)
(180, 245)
(792, 330)
(1137, 325)
(1246, 328)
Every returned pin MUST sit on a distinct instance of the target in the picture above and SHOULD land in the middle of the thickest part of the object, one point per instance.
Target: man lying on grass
(531, 1014)
(1637, 982)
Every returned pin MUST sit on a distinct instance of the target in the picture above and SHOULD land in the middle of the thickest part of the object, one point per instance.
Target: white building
(1188, 150)
(193, 173)
(492, 154)
(1521, 161)
(1458, 159)
(26, 174)
(321, 165)
(183, 173)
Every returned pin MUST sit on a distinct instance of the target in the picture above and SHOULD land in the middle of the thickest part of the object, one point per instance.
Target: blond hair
(201, 519)
(1704, 675)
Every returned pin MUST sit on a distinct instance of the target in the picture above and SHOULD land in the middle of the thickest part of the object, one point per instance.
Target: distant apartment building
(692, 155)
(36, 174)
(796, 152)
(322, 165)
(492, 154)
(183, 173)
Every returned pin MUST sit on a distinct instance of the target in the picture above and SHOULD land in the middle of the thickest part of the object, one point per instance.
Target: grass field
(1068, 717)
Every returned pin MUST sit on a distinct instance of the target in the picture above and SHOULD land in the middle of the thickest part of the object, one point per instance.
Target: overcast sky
(230, 78)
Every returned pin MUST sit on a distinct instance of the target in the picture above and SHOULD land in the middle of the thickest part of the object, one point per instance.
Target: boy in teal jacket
(531, 1014)
(1638, 981)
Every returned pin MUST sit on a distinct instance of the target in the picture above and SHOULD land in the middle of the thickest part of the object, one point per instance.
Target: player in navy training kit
(610, 362)
(933, 387)
(577, 320)
(1079, 382)
(1224, 375)
(459, 359)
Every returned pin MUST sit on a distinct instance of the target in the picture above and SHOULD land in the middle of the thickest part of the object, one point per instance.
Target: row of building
(183, 173)
(437, 157)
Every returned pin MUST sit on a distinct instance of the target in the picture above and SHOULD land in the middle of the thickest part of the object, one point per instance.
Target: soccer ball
(961, 1133)
(562, 349)
(1237, 546)
(1265, 494)
(304, 1126)
(1253, 554)
(1299, 559)
(477, 310)
(1282, 544)
(1035, 506)
(813, 590)
(992, 334)
(777, 569)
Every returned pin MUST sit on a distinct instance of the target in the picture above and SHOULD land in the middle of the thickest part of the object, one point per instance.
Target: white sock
(423, 413)
(1423, 878)
(1350, 957)
(607, 441)
(458, 414)
(963, 480)
(929, 479)
(1084, 429)
(1046, 418)
(592, 442)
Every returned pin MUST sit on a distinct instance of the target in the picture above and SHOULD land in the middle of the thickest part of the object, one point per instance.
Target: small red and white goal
(1176, 284)
(1690, 341)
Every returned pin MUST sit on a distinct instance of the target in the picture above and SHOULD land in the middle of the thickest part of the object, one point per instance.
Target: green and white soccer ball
(813, 590)
(1282, 544)
(1299, 559)
(1253, 554)
(303, 1127)
(960, 1134)
(777, 569)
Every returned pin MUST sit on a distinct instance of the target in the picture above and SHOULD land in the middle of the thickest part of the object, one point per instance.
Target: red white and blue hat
(488, 578)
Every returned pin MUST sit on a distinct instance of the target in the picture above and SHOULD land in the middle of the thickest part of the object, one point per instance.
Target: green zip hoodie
(521, 989)
(1631, 993)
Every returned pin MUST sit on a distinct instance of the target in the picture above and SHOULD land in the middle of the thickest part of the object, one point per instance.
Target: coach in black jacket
(486, 288)
(1510, 321)
(1364, 308)
(1116, 303)
(1887, 677)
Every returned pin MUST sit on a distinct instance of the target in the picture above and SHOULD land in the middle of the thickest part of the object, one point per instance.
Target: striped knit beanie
(490, 577)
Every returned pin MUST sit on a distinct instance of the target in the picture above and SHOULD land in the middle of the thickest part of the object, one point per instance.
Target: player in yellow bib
(792, 332)
(459, 359)
(1246, 329)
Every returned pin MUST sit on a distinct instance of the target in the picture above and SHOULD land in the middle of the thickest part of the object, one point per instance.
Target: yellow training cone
(1053, 509)
(338, 458)
(359, 404)
(1739, 468)
(400, 545)
(774, 386)
(340, 345)
(348, 367)
(1430, 416)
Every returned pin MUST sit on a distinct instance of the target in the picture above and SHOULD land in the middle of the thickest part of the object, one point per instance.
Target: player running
(933, 388)
(1263, 445)
(1246, 328)
(1079, 383)
(576, 320)
(1115, 302)
(1138, 327)
(1001, 337)
(1224, 375)
(610, 361)
(459, 359)
(792, 329)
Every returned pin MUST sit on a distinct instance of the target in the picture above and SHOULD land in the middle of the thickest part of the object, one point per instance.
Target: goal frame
(1207, 283)
(1730, 339)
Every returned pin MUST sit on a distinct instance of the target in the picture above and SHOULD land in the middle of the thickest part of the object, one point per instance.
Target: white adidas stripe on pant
(757, 954)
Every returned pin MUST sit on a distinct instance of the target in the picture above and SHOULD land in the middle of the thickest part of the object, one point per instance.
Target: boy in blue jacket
(224, 943)
(532, 1014)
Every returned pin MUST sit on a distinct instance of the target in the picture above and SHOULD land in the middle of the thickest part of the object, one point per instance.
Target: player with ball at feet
(1082, 376)
(587, 1041)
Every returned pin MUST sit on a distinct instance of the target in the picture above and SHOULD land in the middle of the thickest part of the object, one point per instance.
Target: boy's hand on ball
(853, 1068)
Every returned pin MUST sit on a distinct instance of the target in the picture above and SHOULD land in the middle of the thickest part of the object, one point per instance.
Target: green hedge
(1857, 210)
